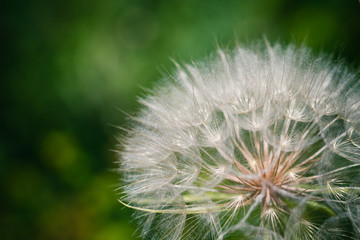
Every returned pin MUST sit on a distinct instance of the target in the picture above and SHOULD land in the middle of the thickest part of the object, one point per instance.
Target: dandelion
(259, 143)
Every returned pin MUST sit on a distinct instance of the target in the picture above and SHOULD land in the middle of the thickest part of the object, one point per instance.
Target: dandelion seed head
(254, 143)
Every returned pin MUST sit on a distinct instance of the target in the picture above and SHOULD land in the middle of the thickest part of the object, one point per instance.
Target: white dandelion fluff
(259, 143)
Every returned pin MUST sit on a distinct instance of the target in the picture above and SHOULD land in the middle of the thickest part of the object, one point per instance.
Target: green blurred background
(69, 66)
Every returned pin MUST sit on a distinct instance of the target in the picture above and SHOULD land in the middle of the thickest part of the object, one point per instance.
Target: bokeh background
(71, 69)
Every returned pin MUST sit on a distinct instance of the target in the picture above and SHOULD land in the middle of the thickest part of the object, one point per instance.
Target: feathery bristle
(260, 143)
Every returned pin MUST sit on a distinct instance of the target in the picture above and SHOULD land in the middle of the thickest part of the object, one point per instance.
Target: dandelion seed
(253, 144)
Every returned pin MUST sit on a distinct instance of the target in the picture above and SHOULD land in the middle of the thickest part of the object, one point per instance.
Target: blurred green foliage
(68, 66)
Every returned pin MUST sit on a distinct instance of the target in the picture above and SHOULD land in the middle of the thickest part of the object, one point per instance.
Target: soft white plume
(259, 143)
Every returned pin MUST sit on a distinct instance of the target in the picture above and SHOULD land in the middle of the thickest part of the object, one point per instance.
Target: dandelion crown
(259, 143)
